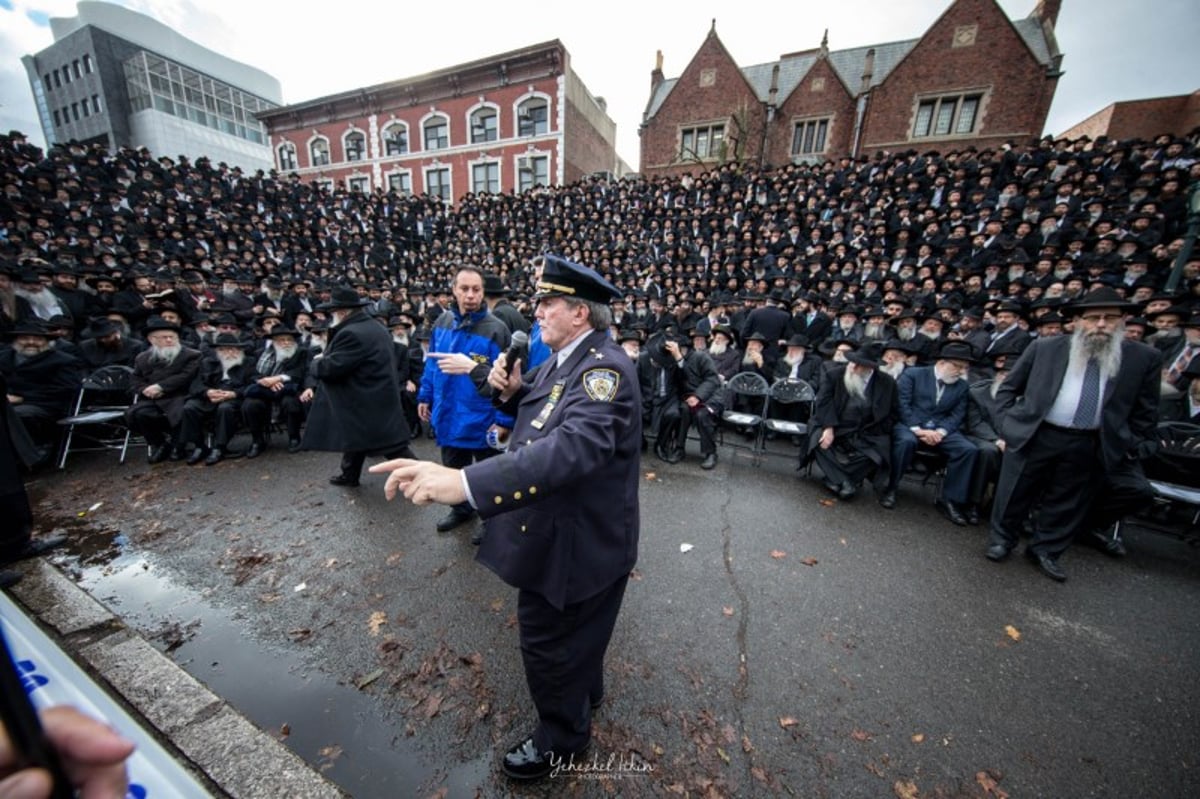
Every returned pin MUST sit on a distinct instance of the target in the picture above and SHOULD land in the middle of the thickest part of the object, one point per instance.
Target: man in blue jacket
(562, 508)
(933, 408)
(454, 397)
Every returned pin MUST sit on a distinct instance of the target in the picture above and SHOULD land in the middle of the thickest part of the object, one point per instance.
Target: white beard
(927, 334)
(874, 330)
(792, 360)
(43, 303)
(855, 383)
(283, 353)
(166, 354)
(718, 347)
(228, 363)
(401, 339)
(1107, 351)
(906, 333)
(945, 378)
(893, 369)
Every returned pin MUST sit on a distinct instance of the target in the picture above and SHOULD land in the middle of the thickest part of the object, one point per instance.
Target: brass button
(522, 528)
(533, 489)
(499, 500)
(517, 495)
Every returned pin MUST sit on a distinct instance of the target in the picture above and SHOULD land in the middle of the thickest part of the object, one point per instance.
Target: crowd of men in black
(209, 282)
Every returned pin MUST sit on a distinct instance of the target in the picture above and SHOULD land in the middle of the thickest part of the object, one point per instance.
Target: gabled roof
(849, 65)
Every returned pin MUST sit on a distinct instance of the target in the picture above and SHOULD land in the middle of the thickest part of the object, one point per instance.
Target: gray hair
(599, 314)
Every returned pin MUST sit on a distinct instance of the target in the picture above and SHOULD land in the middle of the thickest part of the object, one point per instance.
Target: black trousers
(458, 458)
(563, 651)
(987, 468)
(842, 463)
(1123, 491)
(960, 454)
(1058, 469)
(257, 414)
(148, 420)
(197, 413)
(352, 462)
(706, 425)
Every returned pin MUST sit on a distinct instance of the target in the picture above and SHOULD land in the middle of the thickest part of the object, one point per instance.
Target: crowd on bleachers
(789, 271)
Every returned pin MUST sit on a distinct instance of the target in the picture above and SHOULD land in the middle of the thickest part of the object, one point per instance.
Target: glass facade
(163, 85)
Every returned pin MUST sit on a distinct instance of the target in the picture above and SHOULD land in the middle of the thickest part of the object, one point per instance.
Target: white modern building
(123, 79)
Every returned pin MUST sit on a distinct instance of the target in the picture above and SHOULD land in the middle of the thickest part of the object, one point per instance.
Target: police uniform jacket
(562, 504)
(356, 407)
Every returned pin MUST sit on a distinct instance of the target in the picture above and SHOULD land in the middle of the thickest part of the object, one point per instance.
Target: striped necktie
(1089, 397)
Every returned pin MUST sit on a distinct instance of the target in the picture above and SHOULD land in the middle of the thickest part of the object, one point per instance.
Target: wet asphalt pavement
(800, 647)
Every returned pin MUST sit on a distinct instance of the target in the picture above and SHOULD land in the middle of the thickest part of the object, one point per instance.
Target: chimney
(1047, 11)
(868, 71)
(656, 76)
(825, 44)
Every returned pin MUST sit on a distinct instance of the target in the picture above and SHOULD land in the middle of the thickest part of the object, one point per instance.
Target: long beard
(165, 354)
(283, 353)
(1104, 348)
(792, 360)
(228, 362)
(855, 384)
(401, 339)
(927, 334)
(873, 330)
(906, 333)
(43, 302)
(893, 369)
(718, 347)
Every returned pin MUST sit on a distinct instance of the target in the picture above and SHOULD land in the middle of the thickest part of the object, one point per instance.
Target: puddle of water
(333, 727)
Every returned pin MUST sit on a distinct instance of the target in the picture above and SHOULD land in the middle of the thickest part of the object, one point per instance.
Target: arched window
(287, 156)
(533, 117)
(318, 151)
(354, 144)
(436, 131)
(485, 125)
(395, 139)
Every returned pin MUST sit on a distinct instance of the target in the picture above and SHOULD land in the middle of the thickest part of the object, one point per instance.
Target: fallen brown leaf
(299, 634)
(875, 769)
(778, 554)
(989, 785)
(363, 682)
(905, 790)
(747, 747)
(497, 605)
(728, 611)
(809, 561)
(723, 755)
(394, 558)
(285, 730)
(861, 735)
(827, 503)
(651, 476)
(787, 721)
(918, 737)
(377, 620)
(759, 774)
(1012, 632)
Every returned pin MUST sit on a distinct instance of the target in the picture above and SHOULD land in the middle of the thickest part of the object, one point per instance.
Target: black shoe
(1047, 566)
(709, 462)
(344, 481)
(998, 552)
(1110, 545)
(951, 512)
(453, 519)
(526, 762)
(158, 454)
(598, 702)
(256, 449)
(972, 515)
(888, 500)
(198, 454)
(294, 445)
(9, 578)
(34, 547)
(216, 456)
(846, 491)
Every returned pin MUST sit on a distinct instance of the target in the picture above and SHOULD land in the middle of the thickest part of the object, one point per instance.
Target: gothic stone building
(504, 123)
(975, 77)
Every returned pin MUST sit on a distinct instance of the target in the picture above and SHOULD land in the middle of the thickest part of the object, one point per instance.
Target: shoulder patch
(601, 384)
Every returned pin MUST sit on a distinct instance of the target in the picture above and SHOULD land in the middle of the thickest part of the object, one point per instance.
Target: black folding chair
(746, 397)
(98, 418)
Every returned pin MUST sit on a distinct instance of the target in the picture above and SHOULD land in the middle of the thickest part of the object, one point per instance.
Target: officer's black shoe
(34, 547)
(453, 519)
(198, 454)
(9, 578)
(526, 762)
(344, 481)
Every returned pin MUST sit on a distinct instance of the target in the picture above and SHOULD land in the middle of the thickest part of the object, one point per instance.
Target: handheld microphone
(518, 350)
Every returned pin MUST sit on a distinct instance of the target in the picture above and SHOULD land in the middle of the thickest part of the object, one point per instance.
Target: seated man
(798, 362)
(278, 379)
(106, 345)
(933, 407)
(661, 398)
(42, 383)
(851, 431)
(698, 384)
(216, 393)
(162, 377)
(723, 349)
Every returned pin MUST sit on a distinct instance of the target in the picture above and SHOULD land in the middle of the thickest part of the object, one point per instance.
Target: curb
(224, 749)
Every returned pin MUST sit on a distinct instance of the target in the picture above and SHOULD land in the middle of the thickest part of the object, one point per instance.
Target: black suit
(1063, 467)
(860, 445)
(920, 407)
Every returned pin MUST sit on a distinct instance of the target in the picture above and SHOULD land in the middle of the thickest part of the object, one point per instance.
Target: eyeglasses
(1111, 318)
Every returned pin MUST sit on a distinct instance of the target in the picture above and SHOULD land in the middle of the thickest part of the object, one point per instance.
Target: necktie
(941, 386)
(1185, 357)
(1089, 397)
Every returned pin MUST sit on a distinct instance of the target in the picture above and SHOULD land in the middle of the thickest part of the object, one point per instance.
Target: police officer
(561, 507)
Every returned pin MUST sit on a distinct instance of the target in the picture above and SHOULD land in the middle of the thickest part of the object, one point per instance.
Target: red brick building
(504, 123)
(1142, 119)
(974, 77)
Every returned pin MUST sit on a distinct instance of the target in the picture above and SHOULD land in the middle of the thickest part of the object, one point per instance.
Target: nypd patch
(601, 384)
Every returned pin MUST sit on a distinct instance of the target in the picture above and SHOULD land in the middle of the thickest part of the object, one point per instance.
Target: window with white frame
(400, 182)
(485, 178)
(318, 152)
(395, 139)
(287, 157)
(485, 126)
(355, 145)
(533, 117)
(437, 182)
(809, 136)
(358, 184)
(949, 115)
(87, 64)
(701, 142)
(532, 170)
(96, 103)
(437, 133)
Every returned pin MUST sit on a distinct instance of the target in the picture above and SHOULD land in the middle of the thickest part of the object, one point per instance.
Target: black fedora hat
(230, 340)
(493, 286)
(343, 297)
(282, 330)
(799, 340)
(954, 350)
(1103, 297)
(157, 323)
(29, 328)
(867, 355)
(100, 326)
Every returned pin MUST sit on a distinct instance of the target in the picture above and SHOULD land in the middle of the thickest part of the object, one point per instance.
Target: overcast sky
(1114, 49)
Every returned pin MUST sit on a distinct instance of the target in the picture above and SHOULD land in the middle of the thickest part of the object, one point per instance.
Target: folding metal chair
(751, 391)
(786, 397)
(97, 418)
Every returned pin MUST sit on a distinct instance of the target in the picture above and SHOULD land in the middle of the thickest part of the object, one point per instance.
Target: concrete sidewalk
(227, 753)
